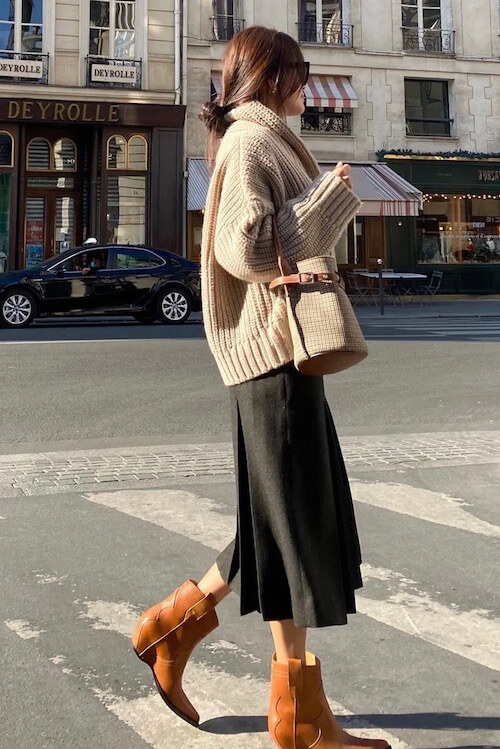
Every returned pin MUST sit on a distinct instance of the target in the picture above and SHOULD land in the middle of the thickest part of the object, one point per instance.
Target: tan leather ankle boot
(299, 714)
(166, 635)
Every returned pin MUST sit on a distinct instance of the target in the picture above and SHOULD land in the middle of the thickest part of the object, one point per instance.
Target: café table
(388, 275)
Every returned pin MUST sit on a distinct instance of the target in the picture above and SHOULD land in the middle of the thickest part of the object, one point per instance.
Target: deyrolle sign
(98, 113)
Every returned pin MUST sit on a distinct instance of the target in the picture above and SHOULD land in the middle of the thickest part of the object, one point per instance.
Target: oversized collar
(255, 111)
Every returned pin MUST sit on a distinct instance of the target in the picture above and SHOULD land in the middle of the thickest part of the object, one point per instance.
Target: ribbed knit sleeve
(308, 225)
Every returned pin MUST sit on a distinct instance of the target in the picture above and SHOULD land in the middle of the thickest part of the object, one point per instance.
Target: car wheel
(17, 309)
(174, 306)
(144, 318)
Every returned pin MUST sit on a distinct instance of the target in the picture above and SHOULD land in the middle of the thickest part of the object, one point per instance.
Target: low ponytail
(212, 115)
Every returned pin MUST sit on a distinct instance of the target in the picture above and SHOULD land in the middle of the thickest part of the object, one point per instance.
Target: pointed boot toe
(165, 636)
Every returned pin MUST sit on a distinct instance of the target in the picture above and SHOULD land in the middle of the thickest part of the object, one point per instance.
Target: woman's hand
(344, 172)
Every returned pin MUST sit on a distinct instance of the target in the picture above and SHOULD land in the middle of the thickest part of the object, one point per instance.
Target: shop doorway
(55, 193)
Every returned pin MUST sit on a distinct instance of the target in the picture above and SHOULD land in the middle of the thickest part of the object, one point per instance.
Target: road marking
(49, 579)
(23, 628)
(209, 689)
(472, 634)
(178, 511)
(424, 504)
(115, 616)
(437, 623)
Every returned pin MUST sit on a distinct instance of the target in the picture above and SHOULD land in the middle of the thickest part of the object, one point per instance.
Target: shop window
(427, 107)
(65, 223)
(137, 152)
(6, 149)
(117, 153)
(126, 206)
(65, 155)
(21, 26)
(38, 155)
(5, 195)
(112, 31)
(459, 229)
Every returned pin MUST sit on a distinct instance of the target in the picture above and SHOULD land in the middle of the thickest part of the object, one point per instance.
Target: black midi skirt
(296, 552)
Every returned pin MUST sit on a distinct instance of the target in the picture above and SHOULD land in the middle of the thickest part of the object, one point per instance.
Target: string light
(483, 196)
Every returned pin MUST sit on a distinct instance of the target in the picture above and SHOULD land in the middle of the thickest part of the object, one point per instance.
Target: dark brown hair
(253, 57)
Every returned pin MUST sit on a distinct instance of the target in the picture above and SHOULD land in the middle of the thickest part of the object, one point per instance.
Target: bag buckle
(309, 277)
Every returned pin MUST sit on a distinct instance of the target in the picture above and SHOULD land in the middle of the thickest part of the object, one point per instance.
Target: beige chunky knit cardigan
(261, 168)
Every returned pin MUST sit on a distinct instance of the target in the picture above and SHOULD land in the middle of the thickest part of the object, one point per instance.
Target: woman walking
(295, 557)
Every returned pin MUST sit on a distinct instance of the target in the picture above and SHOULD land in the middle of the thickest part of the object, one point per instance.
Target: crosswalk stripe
(424, 504)
(434, 622)
(472, 634)
(23, 628)
(214, 692)
(177, 510)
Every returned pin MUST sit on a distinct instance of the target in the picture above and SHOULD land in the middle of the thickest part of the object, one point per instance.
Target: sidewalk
(443, 305)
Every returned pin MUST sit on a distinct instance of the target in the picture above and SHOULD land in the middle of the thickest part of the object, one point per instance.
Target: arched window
(38, 155)
(65, 155)
(6, 149)
(117, 153)
(137, 152)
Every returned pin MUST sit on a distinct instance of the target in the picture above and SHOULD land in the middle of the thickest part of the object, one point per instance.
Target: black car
(147, 283)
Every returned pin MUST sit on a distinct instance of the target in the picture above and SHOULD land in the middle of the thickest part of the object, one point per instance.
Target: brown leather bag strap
(304, 278)
(300, 278)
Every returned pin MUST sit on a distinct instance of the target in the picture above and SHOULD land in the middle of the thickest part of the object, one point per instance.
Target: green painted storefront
(465, 244)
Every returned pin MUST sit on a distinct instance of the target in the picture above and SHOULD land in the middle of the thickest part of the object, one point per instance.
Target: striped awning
(197, 186)
(321, 90)
(330, 91)
(383, 192)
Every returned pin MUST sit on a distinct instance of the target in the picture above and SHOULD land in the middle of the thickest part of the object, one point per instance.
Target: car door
(136, 272)
(75, 284)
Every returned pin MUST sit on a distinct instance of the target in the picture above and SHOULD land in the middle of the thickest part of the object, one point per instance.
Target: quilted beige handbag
(324, 328)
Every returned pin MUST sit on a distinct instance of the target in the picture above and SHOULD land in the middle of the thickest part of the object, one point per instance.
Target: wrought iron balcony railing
(437, 41)
(329, 32)
(24, 67)
(339, 123)
(225, 27)
(107, 72)
(436, 127)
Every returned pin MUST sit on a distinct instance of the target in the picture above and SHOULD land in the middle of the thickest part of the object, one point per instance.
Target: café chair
(428, 291)
(359, 292)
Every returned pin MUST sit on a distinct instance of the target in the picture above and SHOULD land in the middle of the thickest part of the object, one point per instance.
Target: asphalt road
(116, 485)
(101, 381)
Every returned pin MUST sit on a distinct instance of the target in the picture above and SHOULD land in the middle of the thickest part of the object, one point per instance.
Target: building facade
(409, 88)
(91, 126)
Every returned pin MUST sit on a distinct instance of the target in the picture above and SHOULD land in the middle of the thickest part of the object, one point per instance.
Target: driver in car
(94, 265)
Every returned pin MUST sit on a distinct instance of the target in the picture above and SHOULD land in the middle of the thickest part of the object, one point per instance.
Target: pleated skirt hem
(296, 552)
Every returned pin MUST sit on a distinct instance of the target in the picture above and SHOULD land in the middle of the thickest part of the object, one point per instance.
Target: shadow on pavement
(233, 724)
